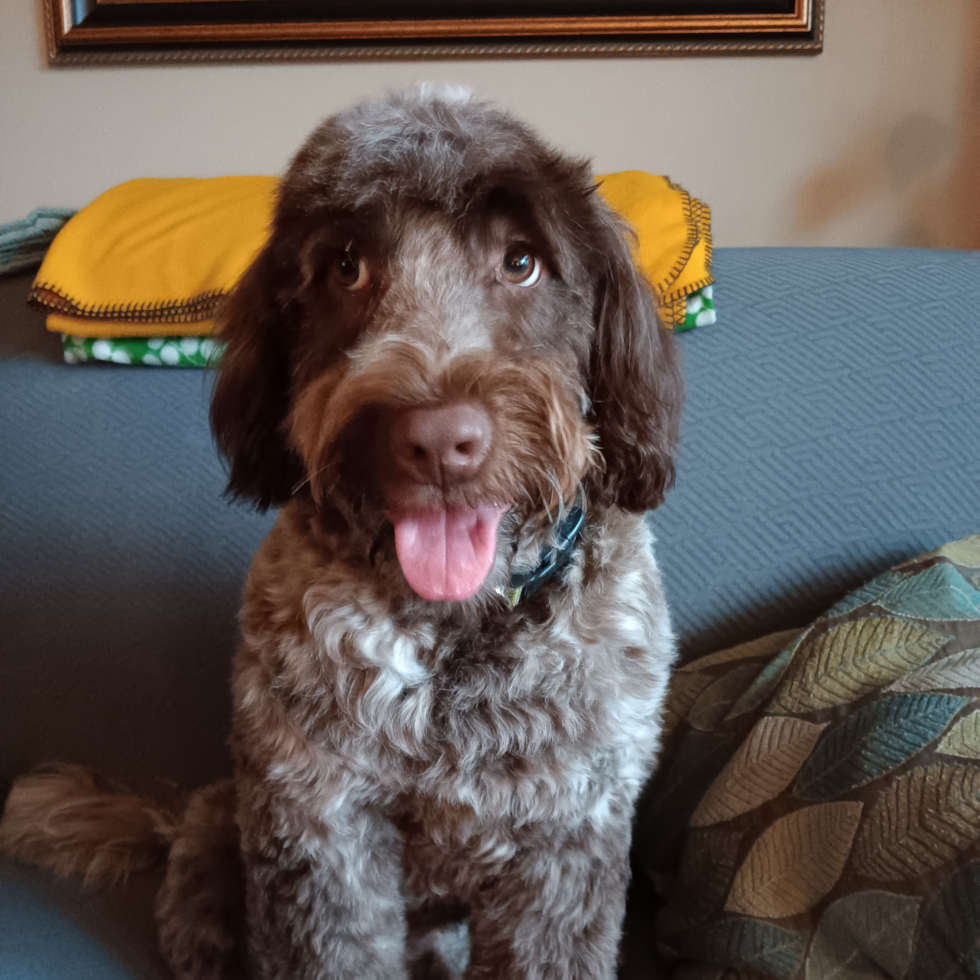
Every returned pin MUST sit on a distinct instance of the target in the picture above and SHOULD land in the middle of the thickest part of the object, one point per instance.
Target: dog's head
(444, 326)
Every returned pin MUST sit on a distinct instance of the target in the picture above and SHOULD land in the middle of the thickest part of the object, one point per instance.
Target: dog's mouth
(443, 456)
(446, 553)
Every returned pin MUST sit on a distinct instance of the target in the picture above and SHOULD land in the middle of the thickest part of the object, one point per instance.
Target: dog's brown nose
(442, 445)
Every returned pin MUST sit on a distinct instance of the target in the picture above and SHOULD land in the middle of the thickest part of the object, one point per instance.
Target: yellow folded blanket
(673, 236)
(152, 252)
(155, 257)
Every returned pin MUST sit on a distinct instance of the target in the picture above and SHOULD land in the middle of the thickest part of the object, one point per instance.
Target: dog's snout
(443, 445)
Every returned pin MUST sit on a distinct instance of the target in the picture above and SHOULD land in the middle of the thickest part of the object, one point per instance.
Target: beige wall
(874, 142)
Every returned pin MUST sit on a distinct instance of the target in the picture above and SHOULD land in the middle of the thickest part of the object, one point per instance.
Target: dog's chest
(534, 717)
(433, 698)
(536, 721)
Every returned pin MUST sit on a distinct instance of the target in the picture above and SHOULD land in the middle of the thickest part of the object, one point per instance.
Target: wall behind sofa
(874, 142)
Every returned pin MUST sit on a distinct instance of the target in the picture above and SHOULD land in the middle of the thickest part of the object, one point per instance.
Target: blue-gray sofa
(832, 429)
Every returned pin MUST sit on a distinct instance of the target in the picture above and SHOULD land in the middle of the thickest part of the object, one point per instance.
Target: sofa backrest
(832, 428)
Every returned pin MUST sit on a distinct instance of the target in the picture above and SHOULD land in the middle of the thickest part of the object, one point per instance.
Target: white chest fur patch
(365, 637)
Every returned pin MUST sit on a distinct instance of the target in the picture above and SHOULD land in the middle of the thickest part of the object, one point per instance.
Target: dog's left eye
(520, 266)
(351, 270)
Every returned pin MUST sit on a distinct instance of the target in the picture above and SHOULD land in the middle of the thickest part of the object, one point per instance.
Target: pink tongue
(446, 554)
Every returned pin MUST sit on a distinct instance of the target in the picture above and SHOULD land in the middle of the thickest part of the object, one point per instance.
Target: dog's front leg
(323, 890)
(556, 913)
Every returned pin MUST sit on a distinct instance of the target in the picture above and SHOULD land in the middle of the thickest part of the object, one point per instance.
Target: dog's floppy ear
(636, 385)
(252, 394)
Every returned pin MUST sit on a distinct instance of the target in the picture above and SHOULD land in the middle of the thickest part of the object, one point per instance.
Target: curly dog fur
(442, 347)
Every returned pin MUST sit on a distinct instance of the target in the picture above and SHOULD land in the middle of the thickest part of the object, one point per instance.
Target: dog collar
(553, 560)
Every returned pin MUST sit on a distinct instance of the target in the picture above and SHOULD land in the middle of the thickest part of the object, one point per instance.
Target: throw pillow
(817, 813)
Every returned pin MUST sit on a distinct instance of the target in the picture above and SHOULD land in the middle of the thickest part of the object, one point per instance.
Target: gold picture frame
(127, 31)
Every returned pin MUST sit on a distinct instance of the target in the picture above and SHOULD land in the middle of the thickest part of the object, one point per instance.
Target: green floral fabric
(817, 813)
(204, 351)
(147, 351)
(700, 309)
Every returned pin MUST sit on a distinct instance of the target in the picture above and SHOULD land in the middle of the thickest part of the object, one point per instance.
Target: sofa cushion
(819, 806)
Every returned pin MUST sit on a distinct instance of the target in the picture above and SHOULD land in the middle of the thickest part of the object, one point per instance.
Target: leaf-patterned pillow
(817, 812)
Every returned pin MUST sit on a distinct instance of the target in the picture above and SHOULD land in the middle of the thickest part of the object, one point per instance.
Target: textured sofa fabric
(832, 429)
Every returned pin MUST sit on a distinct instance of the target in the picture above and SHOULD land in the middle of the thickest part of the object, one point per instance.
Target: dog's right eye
(351, 270)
